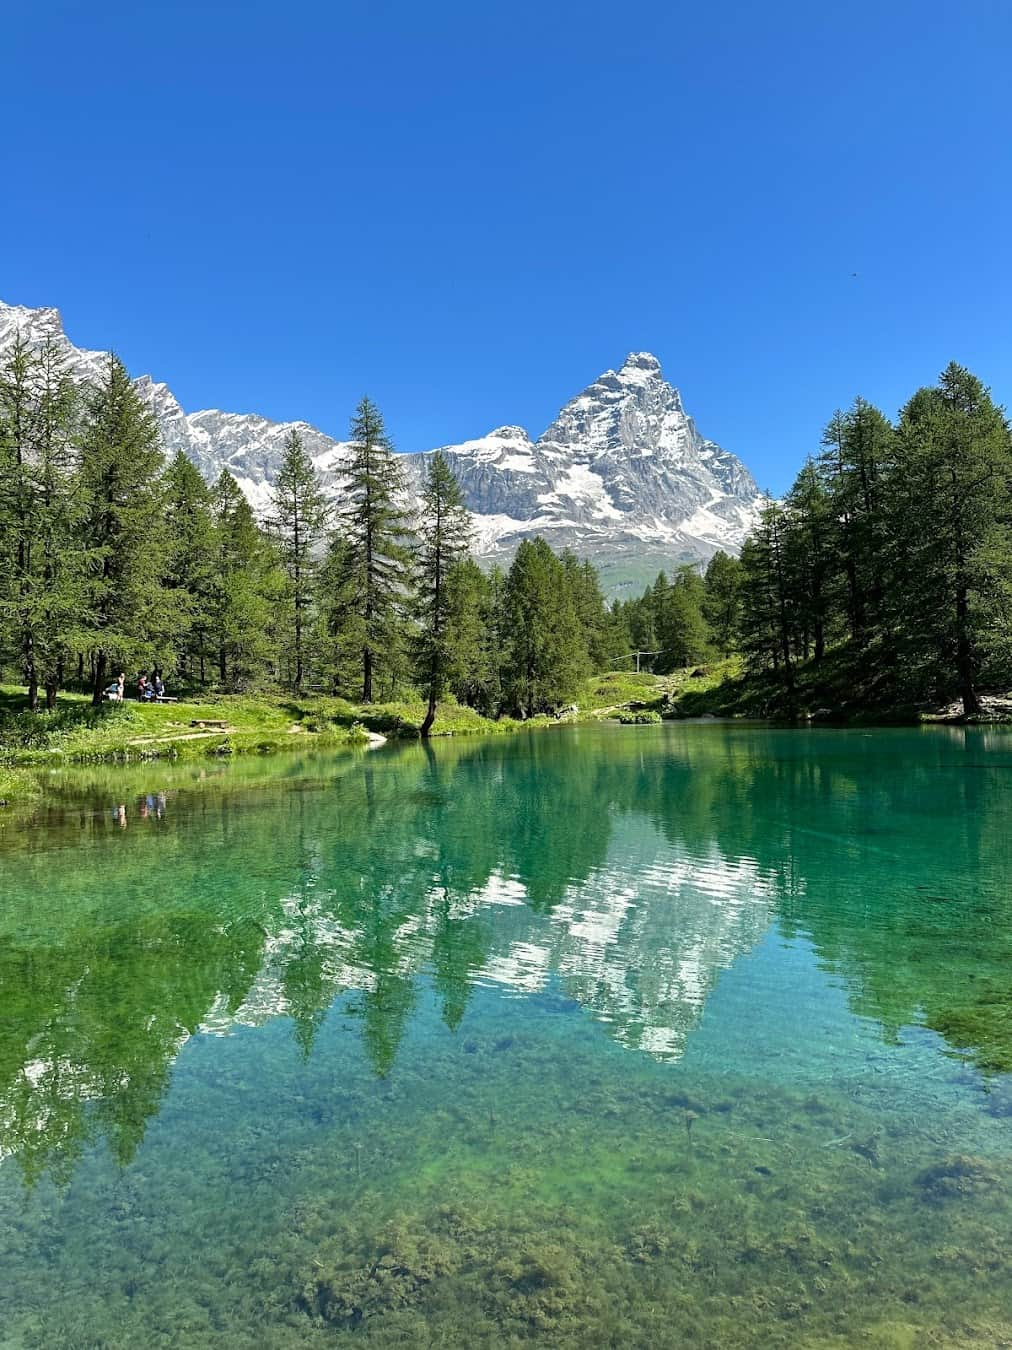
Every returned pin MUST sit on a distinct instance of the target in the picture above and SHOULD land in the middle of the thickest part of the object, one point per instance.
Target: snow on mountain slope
(622, 475)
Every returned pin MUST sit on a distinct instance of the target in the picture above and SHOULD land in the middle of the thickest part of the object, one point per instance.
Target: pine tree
(809, 559)
(853, 469)
(545, 656)
(247, 587)
(682, 633)
(373, 544)
(444, 537)
(299, 520)
(722, 600)
(124, 528)
(43, 574)
(766, 606)
(949, 513)
(591, 611)
(190, 566)
(474, 667)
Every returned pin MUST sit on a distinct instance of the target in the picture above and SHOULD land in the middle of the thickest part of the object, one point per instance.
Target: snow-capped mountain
(622, 475)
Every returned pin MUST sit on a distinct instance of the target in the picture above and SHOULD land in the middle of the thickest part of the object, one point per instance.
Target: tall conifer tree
(299, 521)
(950, 514)
(190, 565)
(372, 545)
(444, 537)
(42, 574)
(124, 527)
(545, 653)
(247, 588)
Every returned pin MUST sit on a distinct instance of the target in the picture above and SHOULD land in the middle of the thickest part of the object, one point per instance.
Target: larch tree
(372, 553)
(722, 600)
(247, 586)
(810, 559)
(444, 538)
(950, 514)
(42, 579)
(545, 656)
(682, 632)
(474, 668)
(190, 566)
(124, 528)
(299, 519)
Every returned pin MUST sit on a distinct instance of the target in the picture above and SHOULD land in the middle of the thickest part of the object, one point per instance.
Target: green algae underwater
(691, 1035)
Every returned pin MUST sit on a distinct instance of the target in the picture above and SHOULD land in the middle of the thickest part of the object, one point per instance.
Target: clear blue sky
(468, 210)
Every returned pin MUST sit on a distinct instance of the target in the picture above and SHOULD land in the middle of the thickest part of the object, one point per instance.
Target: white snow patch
(584, 485)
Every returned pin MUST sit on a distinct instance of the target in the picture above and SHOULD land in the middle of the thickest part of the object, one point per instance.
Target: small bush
(641, 717)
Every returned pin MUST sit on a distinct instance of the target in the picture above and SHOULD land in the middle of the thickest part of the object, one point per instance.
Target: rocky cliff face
(622, 475)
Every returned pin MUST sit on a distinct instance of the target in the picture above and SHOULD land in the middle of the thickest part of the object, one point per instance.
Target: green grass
(77, 733)
(847, 685)
(615, 688)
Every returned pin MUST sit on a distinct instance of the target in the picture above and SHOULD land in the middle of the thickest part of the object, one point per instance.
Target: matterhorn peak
(622, 475)
(645, 361)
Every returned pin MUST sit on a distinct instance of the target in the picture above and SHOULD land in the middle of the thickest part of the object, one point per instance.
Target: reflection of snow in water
(641, 947)
(639, 943)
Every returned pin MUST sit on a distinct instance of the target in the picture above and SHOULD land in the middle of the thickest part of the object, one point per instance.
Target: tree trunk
(51, 688)
(298, 618)
(964, 656)
(97, 690)
(430, 713)
(366, 675)
(856, 602)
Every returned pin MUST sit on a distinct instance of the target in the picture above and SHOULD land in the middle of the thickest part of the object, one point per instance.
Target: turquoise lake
(690, 1035)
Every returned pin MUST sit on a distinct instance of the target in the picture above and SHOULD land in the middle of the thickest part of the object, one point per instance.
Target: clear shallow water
(691, 1035)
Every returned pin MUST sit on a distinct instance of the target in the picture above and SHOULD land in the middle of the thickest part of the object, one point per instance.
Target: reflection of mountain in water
(638, 943)
(630, 869)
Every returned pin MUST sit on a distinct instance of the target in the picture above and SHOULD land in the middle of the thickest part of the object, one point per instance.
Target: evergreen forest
(888, 563)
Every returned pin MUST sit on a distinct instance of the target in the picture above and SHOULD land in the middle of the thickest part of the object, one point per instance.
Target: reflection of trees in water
(634, 869)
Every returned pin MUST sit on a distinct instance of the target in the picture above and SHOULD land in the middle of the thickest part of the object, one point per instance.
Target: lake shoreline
(266, 725)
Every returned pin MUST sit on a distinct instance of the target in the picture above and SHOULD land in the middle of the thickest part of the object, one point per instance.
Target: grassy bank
(76, 733)
(133, 732)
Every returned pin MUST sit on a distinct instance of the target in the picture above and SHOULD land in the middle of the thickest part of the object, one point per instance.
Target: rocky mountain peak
(622, 475)
(509, 433)
(644, 361)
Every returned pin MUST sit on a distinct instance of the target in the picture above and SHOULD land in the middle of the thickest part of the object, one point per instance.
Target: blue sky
(469, 210)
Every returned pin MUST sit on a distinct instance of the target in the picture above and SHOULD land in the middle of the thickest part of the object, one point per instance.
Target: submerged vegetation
(347, 1061)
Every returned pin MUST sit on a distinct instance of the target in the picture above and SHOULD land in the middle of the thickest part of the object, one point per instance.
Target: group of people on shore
(150, 688)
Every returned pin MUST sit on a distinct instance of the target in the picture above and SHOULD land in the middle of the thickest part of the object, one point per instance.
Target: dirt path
(182, 736)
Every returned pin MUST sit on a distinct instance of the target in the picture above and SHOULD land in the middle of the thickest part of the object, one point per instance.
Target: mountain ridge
(622, 475)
